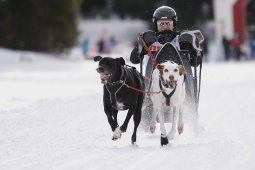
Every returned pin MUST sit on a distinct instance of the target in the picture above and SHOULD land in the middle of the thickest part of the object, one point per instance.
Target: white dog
(170, 78)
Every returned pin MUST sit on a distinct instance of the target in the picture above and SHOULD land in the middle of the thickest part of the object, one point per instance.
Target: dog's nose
(171, 77)
(100, 69)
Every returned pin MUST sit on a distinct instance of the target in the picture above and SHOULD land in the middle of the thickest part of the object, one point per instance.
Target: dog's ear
(121, 61)
(160, 68)
(97, 58)
(181, 70)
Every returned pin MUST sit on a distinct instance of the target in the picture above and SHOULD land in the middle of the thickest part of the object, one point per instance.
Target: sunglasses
(166, 23)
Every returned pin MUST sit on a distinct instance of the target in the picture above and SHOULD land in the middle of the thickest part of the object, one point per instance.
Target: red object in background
(239, 13)
(234, 43)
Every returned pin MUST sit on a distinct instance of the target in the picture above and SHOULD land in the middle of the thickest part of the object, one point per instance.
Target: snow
(51, 117)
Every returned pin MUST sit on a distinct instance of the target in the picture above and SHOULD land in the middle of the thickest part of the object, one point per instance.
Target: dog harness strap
(114, 87)
(167, 96)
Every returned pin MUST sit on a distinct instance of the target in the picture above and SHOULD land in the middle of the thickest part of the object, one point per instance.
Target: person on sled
(187, 43)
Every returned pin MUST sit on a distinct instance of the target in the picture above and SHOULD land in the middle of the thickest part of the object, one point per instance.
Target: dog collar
(121, 81)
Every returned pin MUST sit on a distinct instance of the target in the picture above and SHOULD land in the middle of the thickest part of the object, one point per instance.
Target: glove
(149, 37)
(166, 36)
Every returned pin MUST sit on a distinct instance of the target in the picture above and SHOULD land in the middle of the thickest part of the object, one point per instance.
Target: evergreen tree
(40, 25)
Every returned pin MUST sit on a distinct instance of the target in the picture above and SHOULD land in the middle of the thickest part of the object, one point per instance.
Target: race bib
(155, 46)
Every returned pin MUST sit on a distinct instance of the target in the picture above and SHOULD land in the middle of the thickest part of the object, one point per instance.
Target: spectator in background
(85, 46)
(112, 42)
(236, 51)
(100, 45)
(104, 43)
(226, 47)
(252, 47)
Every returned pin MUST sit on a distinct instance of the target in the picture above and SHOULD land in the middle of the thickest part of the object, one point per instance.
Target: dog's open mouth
(104, 77)
(171, 83)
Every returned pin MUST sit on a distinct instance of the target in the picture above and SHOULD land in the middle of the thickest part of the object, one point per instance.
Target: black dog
(117, 96)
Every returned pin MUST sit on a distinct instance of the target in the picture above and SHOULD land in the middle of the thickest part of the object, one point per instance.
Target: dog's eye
(175, 70)
(166, 70)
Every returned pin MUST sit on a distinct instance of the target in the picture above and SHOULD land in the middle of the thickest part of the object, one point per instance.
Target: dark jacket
(154, 42)
(154, 45)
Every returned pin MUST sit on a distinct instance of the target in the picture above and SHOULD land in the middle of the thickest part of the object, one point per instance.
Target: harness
(167, 96)
(114, 87)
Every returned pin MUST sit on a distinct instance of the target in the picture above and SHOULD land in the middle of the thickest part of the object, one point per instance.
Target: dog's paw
(134, 145)
(180, 129)
(116, 134)
(152, 128)
(123, 129)
(114, 138)
(163, 140)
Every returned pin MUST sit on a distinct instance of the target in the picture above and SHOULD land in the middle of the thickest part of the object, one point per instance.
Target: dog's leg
(137, 117)
(180, 121)
(162, 120)
(109, 113)
(112, 119)
(123, 127)
(173, 129)
(137, 120)
(160, 111)
(115, 115)
(117, 132)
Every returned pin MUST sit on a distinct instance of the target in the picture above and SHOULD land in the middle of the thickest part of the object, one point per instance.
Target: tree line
(51, 25)
(189, 12)
(38, 25)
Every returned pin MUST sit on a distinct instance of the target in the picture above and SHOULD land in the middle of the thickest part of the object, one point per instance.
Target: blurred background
(85, 28)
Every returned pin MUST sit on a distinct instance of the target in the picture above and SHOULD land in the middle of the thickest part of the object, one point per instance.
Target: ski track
(53, 118)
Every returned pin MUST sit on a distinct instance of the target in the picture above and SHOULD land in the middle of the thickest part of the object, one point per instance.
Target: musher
(187, 43)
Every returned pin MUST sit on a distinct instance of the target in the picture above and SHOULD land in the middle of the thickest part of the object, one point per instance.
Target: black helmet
(164, 12)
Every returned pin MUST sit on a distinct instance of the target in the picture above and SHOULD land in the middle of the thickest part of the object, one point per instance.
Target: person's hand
(149, 37)
(166, 36)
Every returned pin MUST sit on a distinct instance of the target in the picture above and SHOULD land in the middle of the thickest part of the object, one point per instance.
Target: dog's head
(171, 73)
(108, 66)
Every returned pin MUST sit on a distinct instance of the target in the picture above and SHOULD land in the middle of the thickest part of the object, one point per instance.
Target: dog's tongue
(172, 84)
